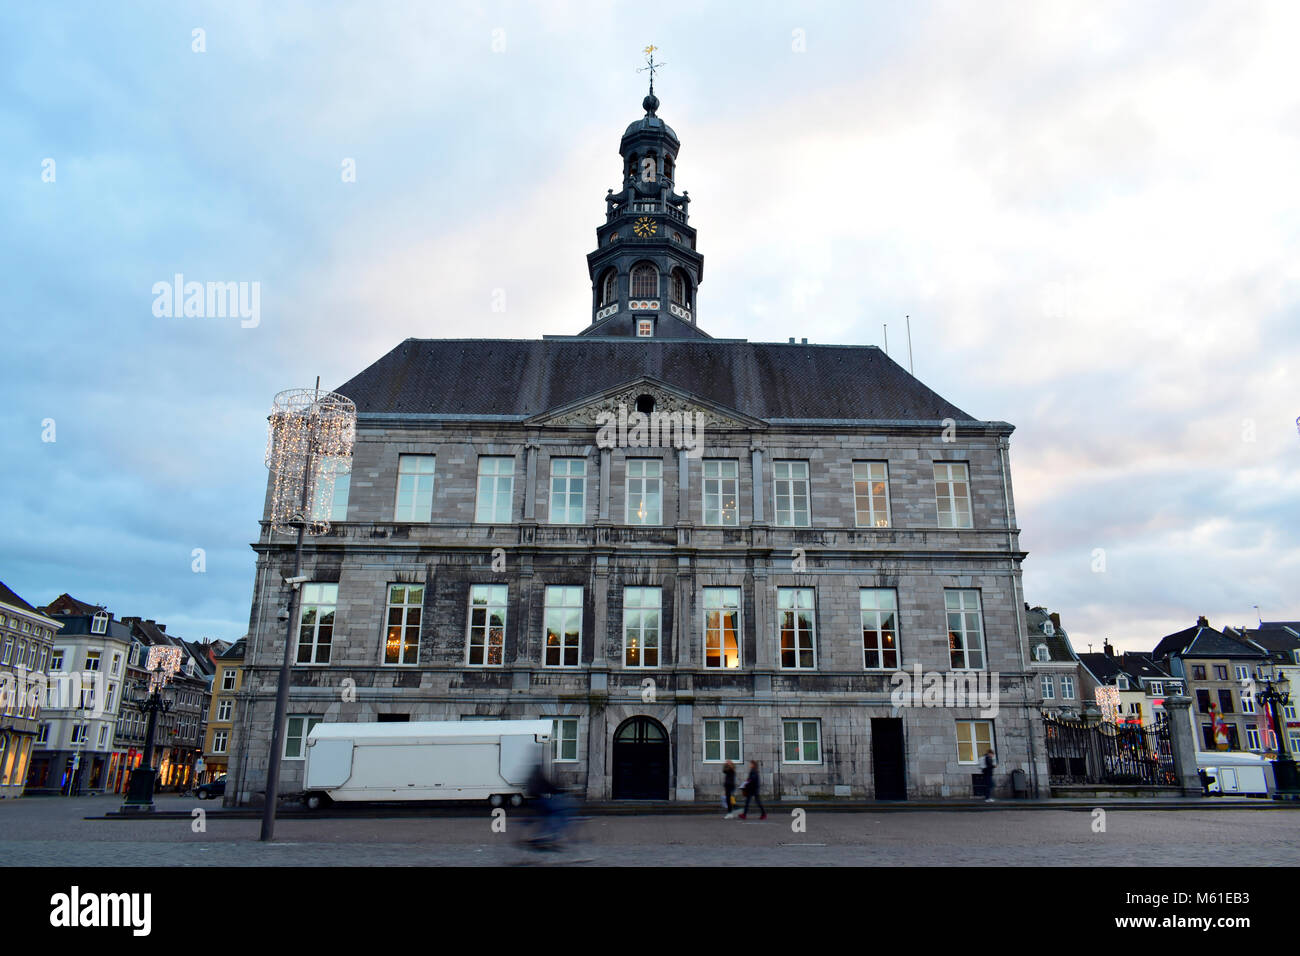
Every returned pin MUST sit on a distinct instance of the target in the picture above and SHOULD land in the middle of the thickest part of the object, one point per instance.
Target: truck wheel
(313, 801)
(516, 799)
(496, 800)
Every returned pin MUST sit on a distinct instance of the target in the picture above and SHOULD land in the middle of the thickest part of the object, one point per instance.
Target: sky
(1088, 210)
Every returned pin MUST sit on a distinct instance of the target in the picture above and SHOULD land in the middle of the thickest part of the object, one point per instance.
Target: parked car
(213, 788)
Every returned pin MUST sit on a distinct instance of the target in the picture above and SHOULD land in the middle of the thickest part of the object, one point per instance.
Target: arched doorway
(641, 758)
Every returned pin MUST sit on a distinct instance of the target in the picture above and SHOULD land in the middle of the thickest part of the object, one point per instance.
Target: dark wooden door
(888, 764)
(640, 760)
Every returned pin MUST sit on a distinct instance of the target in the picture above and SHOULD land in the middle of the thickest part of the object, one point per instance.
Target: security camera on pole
(309, 441)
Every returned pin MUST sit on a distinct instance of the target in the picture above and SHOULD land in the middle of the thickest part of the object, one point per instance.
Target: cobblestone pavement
(38, 831)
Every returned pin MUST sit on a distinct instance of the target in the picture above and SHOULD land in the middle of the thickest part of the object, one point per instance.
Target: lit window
(496, 488)
(974, 740)
(568, 490)
(965, 631)
(487, 625)
(871, 493)
(641, 627)
(796, 625)
(721, 491)
(879, 609)
(405, 608)
(722, 628)
(563, 623)
(645, 328)
(952, 494)
(722, 740)
(316, 623)
(414, 488)
(644, 490)
(803, 741)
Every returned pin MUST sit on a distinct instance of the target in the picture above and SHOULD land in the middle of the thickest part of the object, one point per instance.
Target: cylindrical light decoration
(310, 433)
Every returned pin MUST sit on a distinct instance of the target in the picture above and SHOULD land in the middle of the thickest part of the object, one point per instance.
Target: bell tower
(645, 270)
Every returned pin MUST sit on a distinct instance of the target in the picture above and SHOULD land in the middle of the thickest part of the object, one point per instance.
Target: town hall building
(519, 538)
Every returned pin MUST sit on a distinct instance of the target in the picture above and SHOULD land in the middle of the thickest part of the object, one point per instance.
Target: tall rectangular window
(405, 614)
(414, 488)
(331, 502)
(1067, 687)
(879, 609)
(965, 630)
(92, 660)
(297, 730)
(790, 487)
(228, 679)
(721, 491)
(641, 608)
(952, 494)
(974, 740)
(722, 740)
(568, 490)
(871, 493)
(496, 490)
(487, 625)
(803, 741)
(564, 739)
(220, 740)
(645, 491)
(225, 707)
(563, 621)
(1048, 687)
(316, 623)
(795, 623)
(721, 627)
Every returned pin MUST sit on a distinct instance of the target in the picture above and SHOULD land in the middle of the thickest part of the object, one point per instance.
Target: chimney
(1056, 620)
(791, 340)
(1202, 622)
(804, 342)
(1107, 649)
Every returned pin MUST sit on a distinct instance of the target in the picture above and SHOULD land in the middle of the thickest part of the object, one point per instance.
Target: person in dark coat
(729, 789)
(989, 763)
(752, 787)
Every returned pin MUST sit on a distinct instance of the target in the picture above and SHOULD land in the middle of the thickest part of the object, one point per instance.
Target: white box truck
(1236, 771)
(429, 760)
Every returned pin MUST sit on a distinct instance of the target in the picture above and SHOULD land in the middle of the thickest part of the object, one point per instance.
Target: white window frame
(480, 633)
(410, 605)
(560, 739)
(713, 488)
(728, 733)
(225, 707)
(416, 478)
(947, 502)
(305, 723)
(786, 482)
(563, 483)
(645, 328)
(867, 475)
(93, 658)
(792, 611)
(1253, 739)
(876, 614)
(1048, 687)
(1067, 687)
(964, 610)
(1243, 672)
(562, 605)
(495, 501)
(228, 679)
(99, 623)
(220, 741)
(642, 604)
(323, 599)
(801, 739)
(101, 740)
(643, 482)
(43, 734)
(974, 741)
(80, 734)
(715, 608)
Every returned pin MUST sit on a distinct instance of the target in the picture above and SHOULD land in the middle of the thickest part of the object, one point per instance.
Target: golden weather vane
(651, 66)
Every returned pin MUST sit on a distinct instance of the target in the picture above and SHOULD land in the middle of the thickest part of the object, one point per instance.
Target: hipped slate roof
(519, 378)
(10, 597)
(1203, 641)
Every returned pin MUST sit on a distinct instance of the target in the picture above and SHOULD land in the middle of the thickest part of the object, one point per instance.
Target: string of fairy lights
(308, 430)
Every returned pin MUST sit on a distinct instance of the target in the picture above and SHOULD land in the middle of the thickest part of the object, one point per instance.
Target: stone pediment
(667, 400)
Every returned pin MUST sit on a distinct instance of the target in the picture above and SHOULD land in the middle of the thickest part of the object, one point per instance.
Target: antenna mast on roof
(910, 370)
(886, 338)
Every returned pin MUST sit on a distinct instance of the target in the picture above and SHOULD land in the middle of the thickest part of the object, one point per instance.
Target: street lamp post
(1276, 695)
(162, 665)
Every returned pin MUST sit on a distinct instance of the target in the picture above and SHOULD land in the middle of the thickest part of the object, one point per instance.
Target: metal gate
(1079, 752)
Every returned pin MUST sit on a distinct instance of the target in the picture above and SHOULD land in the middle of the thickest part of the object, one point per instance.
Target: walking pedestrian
(752, 787)
(729, 789)
(989, 763)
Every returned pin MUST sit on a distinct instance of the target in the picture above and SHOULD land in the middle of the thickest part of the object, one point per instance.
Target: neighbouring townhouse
(1280, 640)
(26, 646)
(1053, 659)
(226, 686)
(1127, 688)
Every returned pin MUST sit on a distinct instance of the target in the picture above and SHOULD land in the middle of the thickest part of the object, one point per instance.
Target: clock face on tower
(644, 227)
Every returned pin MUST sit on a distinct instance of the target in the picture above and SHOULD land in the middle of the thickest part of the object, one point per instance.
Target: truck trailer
(428, 760)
